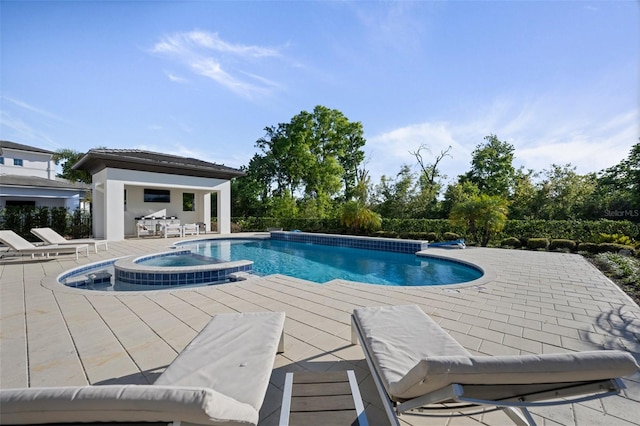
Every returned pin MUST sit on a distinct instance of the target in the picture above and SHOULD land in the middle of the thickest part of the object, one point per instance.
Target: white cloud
(34, 109)
(206, 54)
(175, 78)
(540, 133)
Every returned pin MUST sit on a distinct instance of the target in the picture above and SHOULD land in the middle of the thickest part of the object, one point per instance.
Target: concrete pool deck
(529, 302)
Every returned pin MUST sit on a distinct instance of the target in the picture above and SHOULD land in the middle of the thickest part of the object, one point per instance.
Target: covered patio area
(129, 184)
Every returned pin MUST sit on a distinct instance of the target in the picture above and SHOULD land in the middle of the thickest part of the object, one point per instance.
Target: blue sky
(557, 79)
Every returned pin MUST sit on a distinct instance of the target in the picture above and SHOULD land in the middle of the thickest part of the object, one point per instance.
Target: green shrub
(613, 248)
(511, 242)
(588, 247)
(431, 236)
(537, 243)
(450, 236)
(422, 236)
(562, 245)
(623, 268)
(614, 238)
(385, 234)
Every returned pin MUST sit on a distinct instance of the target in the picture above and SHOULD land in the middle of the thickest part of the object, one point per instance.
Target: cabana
(130, 183)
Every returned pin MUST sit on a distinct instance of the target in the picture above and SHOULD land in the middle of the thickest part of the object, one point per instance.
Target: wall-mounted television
(157, 195)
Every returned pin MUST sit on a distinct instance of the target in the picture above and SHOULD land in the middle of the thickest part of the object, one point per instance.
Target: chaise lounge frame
(460, 399)
(50, 236)
(220, 378)
(19, 246)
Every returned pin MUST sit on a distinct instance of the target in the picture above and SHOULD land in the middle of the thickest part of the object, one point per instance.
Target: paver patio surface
(527, 302)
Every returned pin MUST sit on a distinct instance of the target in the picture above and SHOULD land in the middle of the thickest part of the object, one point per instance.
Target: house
(130, 184)
(27, 178)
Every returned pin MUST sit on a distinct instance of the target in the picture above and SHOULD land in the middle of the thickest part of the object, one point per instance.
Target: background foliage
(74, 223)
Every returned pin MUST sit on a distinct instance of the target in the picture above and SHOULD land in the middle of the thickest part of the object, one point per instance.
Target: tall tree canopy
(619, 186)
(492, 167)
(66, 158)
(314, 159)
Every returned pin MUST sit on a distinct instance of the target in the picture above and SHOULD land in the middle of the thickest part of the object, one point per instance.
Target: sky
(558, 80)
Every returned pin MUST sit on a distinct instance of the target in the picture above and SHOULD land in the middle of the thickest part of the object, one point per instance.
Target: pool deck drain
(530, 302)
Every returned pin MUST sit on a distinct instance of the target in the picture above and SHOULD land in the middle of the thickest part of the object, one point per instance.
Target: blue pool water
(320, 263)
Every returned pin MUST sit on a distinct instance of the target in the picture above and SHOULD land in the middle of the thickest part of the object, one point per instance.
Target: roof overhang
(96, 160)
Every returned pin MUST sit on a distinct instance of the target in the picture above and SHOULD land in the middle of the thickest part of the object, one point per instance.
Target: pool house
(129, 184)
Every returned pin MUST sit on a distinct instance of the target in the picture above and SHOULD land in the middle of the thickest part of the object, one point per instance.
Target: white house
(129, 184)
(27, 178)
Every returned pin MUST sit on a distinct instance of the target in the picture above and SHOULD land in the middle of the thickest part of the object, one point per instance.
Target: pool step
(100, 277)
(240, 276)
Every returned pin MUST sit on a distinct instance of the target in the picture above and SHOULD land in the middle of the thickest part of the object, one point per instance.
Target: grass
(623, 270)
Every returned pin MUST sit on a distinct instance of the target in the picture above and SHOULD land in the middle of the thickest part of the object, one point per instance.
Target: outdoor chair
(171, 229)
(416, 365)
(18, 245)
(190, 229)
(220, 378)
(50, 236)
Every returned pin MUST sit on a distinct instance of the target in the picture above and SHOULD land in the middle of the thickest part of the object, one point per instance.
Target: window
(20, 203)
(17, 162)
(188, 202)
(157, 196)
(1, 160)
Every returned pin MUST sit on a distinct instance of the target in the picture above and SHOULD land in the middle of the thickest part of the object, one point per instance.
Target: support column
(114, 210)
(205, 202)
(224, 208)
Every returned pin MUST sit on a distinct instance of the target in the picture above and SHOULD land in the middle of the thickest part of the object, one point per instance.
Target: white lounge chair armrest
(437, 372)
(123, 403)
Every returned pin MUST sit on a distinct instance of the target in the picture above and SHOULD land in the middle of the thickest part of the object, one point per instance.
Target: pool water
(320, 263)
(178, 260)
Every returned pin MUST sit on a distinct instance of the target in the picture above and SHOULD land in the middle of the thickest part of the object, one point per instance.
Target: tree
(523, 198)
(313, 160)
(426, 200)
(358, 218)
(491, 167)
(484, 215)
(393, 198)
(563, 193)
(457, 193)
(618, 188)
(67, 158)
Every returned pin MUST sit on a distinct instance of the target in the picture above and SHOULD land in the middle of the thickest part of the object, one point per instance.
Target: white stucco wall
(43, 197)
(113, 220)
(33, 164)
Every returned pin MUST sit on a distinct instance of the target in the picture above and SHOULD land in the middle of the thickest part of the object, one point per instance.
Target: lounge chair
(50, 236)
(220, 378)
(416, 365)
(18, 245)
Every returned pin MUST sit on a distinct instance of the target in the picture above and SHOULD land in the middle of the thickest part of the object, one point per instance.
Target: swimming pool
(321, 263)
(313, 257)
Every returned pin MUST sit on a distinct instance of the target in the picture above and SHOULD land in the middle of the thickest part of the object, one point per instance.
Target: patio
(528, 302)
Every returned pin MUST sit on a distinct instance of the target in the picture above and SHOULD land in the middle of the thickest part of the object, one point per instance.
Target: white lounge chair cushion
(123, 403)
(414, 356)
(400, 337)
(241, 350)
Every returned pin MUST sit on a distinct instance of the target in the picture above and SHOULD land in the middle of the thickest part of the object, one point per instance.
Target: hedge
(576, 230)
(75, 223)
